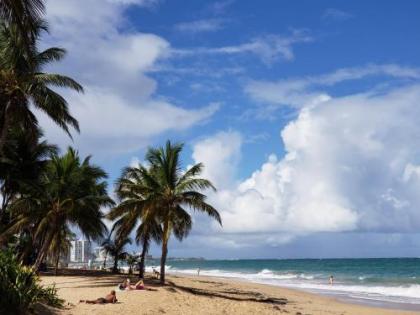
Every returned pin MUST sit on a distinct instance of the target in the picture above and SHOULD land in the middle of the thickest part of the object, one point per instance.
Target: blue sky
(304, 112)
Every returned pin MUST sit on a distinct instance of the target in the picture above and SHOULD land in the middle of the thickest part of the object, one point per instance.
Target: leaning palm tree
(71, 192)
(132, 190)
(174, 192)
(23, 83)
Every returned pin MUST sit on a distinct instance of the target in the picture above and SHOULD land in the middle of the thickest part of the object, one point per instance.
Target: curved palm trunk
(43, 251)
(164, 251)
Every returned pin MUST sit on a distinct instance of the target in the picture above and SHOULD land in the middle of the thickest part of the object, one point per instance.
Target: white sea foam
(401, 294)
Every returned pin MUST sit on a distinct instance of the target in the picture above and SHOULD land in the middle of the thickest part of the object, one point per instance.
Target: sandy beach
(198, 295)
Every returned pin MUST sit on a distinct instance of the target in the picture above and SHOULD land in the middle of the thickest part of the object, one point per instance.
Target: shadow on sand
(230, 294)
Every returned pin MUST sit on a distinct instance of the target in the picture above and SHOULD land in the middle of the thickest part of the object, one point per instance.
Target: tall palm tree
(71, 193)
(23, 82)
(132, 190)
(174, 191)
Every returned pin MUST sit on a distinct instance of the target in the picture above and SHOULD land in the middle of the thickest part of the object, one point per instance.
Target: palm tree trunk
(164, 251)
(43, 251)
(142, 262)
(163, 262)
(106, 254)
(57, 259)
(115, 268)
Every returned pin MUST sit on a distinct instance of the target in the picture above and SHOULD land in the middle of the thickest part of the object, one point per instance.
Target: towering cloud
(351, 164)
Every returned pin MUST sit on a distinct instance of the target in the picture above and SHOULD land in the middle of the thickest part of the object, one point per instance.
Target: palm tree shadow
(232, 294)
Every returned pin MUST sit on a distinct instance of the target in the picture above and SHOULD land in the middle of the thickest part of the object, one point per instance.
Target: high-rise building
(80, 250)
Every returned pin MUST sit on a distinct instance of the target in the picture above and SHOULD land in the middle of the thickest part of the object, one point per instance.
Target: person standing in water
(198, 271)
(331, 280)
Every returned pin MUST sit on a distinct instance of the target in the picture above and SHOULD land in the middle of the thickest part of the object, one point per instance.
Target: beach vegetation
(20, 288)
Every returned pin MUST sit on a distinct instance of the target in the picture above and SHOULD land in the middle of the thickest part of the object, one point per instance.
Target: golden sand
(198, 295)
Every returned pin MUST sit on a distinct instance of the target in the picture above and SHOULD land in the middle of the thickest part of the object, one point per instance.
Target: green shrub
(20, 288)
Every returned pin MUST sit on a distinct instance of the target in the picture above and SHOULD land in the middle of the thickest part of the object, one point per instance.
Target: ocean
(378, 281)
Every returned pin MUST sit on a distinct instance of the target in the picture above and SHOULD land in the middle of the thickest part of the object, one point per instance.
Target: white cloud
(336, 14)
(120, 111)
(351, 164)
(199, 26)
(220, 7)
(308, 91)
(268, 48)
(220, 155)
(111, 124)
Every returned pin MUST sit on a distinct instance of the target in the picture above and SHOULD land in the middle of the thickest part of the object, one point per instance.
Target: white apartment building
(80, 251)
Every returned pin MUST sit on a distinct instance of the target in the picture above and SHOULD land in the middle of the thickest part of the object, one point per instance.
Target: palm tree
(71, 193)
(116, 248)
(173, 191)
(21, 163)
(131, 260)
(23, 82)
(149, 230)
(132, 190)
(60, 246)
(22, 13)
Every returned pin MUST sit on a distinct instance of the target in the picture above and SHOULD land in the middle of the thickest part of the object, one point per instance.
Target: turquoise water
(389, 280)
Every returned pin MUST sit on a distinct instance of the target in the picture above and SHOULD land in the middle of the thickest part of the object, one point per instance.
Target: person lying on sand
(138, 286)
(109, 298)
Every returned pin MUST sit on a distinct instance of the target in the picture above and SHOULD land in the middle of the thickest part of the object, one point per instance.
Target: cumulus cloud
(120, 102)
(220, 155)
(269, 48)
(351, 164)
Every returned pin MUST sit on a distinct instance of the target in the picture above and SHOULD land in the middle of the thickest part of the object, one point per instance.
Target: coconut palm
(175, 191)
(60, 246)
(71, 193)
(132, 190)
(24, 84)
(116, 249)
(22, 13)
(21, 163)
(131, 260)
